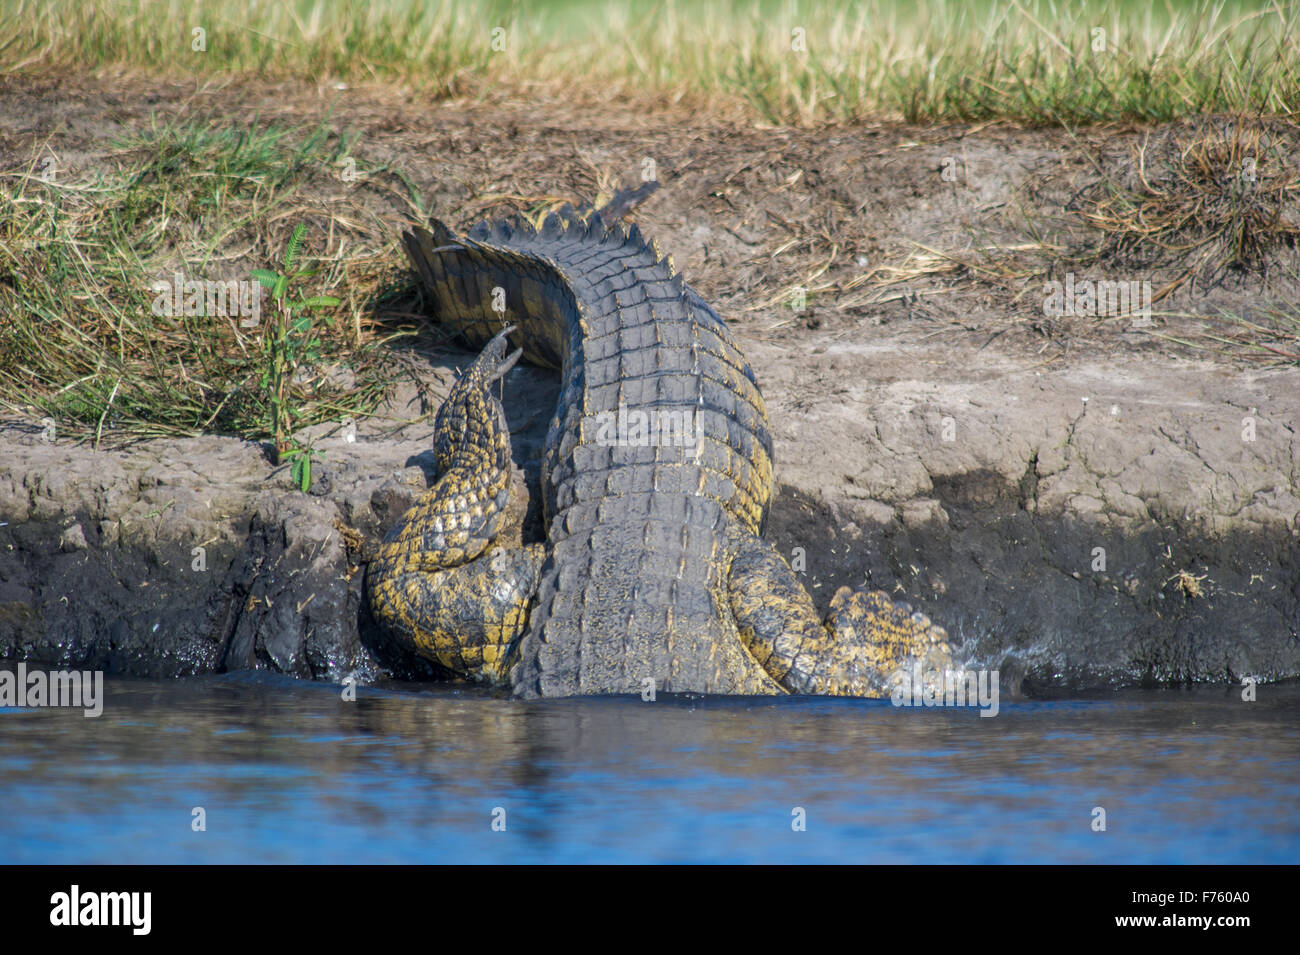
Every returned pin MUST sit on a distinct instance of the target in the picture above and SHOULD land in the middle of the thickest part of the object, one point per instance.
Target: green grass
(927, 60)
(83, 340)
(1270, 335)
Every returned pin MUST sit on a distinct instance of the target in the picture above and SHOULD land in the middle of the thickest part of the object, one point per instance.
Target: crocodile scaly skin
(656, 479)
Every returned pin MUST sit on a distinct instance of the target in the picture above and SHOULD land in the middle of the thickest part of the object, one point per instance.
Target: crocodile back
(658, 445)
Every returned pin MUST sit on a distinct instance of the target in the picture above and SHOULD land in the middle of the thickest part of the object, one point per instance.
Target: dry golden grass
(1212, 196)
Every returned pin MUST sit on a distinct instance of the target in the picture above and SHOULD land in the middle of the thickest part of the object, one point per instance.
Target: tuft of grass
(781, 61)
(89, 269)
(291, 342)
(1207, 197)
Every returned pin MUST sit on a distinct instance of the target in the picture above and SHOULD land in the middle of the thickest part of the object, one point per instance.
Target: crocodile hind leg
(436, 583)
(857, 651)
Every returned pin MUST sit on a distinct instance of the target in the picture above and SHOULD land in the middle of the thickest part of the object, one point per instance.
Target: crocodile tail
(481, 281)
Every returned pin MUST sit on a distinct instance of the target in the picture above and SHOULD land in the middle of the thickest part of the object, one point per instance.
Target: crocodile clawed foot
(493, 362)
(876, 641)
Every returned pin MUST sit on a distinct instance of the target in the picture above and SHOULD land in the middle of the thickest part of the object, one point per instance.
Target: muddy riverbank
(1080, 500)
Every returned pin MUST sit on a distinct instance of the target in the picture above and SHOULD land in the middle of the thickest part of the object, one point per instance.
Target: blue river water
(286, 771)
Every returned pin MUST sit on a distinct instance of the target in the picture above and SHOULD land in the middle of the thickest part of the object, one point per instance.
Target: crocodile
(657, 476)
